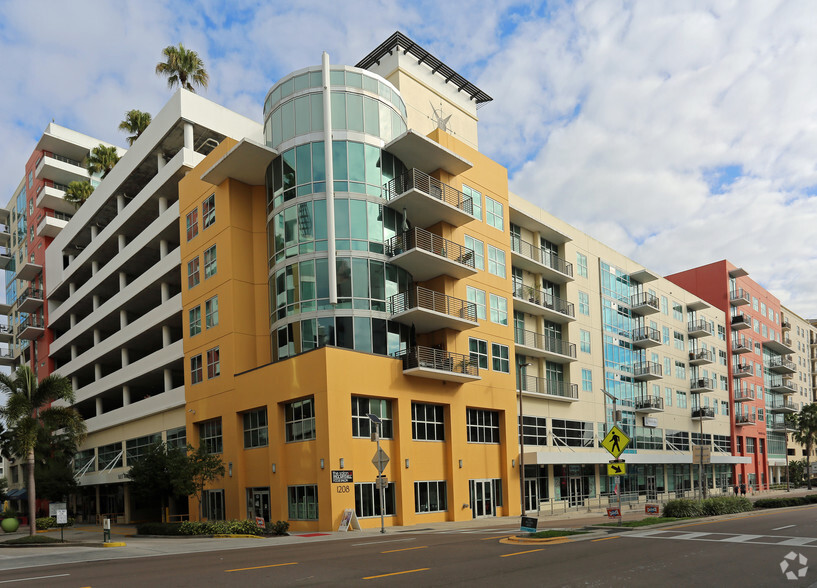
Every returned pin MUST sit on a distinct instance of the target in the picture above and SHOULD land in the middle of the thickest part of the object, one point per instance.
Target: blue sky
(679, 132)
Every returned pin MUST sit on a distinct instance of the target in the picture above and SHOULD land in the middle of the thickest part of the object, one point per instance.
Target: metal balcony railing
(744, 419)
(783, 404)
(418, 238)
(698, 325)
(739, 294)
(426, 299)
(701, 355)
(742, 394)
(742, 369)
(649, 402)
(439, 359)
(544, 299)
(701, 384)
(543, 256)
(646, 334)
(550, 387)
(30, 293)
(421, 181)
(740, 319)
(544, 343)
(32, 321)
(645, 299)
(703, 412)
(781, 362)
(647, 368)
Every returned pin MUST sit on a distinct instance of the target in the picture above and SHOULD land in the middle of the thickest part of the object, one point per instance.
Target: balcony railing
(698, 385)
(782, 385)
(703, 412)
(698, 328)
(744, 419)
(781, 364)
(742, 370)
(548, 387)
(414, 179)
(742, 345)
(741, 321)
(783, 405)
(700, 356)
(744, 395)
(739, 297)
(785, 324)
(439, 359)
(541, 256)
(421, 239)
(645, 300)
(544, 343)
(544, 299)
(649, 404)
(646, 334)
(647, 370)
(425, 299)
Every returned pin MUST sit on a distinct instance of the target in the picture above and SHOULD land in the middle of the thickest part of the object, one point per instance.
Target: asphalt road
(744, 551)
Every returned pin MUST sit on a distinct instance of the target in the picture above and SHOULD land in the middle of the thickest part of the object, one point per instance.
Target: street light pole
(521, 440)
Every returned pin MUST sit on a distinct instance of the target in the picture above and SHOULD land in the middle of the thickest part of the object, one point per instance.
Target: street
(746, 550)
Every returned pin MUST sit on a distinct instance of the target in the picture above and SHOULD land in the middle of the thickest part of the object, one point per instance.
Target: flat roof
(246, 162)
(398, 40)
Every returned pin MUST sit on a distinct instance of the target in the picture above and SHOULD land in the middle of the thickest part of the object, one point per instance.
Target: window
(208, 211)
(177, 438)
(677, 311)
(193, 272)
(587, 380)
(665, 335)
(83, 461)
(303, 502)
(581, 264)
(380, 407)
(192, 223)
(367, 500)
(430, 496)
(483, 426)
(476, 200)
(427, 422)
(680, 399)
(496, 261)
(213, 363)
(210, 262)
(493, 213)
(478, 298)
(500, 358)
(534, 430)
(573, 433)
(256, 433)
(211, 312)
(478, 350)
(584, 343)
(195, 369)
(679, 340)
(665, 305)
(136, 449)
(299, 422)
(479, 251)
(499, 310)
(668, 396)
(680, 370)
(195, 321)
(213, 505)
(584, 303)
(210, 436)
(109, 456)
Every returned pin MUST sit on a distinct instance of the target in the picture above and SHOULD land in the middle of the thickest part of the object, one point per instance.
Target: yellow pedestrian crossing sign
(615, 442)
(617, 468)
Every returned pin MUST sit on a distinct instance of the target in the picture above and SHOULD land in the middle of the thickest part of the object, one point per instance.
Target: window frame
(291, 422)
(192, 222)
(211, 264)
(196, 369)
(256, 432)
(193, 273)
(208, 211)
(213, 363)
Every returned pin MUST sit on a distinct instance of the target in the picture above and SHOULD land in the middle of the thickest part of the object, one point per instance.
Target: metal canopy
(246, 162)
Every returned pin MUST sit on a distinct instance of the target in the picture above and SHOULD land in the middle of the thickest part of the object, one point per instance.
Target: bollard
(106, 530)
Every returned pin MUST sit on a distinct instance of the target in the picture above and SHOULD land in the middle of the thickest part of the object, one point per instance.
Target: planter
(10, 525)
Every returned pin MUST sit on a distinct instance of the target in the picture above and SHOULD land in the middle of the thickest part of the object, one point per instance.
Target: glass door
(482, 498)
(531, 494)
(258, 503)
(651, 492)
(575, 491)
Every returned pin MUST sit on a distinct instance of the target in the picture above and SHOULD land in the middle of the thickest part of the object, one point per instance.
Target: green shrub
(784, 501)
(158, 529)
(245, 527)
(718, 505)
(278, 528)
(682, 508)
(44, 523)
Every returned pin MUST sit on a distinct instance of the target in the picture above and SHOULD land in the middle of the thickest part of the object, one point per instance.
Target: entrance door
(482, 498)
(531, 494)
(680, 485)
(575, 493)
(651, 492)
(258, 503)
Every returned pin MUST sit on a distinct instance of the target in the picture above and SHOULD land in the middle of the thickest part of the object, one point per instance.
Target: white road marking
(33, 578)
(786, 527)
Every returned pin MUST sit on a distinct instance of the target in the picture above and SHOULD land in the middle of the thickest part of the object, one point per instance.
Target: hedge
(212, 528)
(44, 523)
(685, 507)
(784, 501)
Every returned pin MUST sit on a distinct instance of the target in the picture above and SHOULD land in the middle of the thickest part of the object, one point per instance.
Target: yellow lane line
(521, 552)
(606, 538)
(292, 563)
(396, 573)
(405, 549)
(500, 537)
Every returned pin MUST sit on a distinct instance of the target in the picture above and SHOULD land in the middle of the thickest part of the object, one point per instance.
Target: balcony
(781, 425)
(739, 297)
(743, 345)
(742, 420)
(438, 364)
(427, 310)
(28, 270)
(536, 260)
(31, 328)
(5, 257)
(5, 236)
(744, 395)
(53, 197)
(649, 404)
(551, 389)
(783, 405)
(6, 357)
(740, 321)
(698, 328)
(425, 255)
(427, 200)
(647, 370)
(703, 413)
(785, 325)
(63, 170)
(6, 333)
(782, 386)
(783, 347)
(700, 357)
(644, 337)
(644, 304)
(699, 385)
(534, 344)
(781, 365)
(742, 370)
(30, 300)
(541, 303)
(50, 226)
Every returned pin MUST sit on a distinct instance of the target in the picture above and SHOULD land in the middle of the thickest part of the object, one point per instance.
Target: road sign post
(615, 442)
(380, 460)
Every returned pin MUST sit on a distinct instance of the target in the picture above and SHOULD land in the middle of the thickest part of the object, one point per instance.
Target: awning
(17, 494)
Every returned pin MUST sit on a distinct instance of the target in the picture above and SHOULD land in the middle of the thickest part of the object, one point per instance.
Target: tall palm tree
(28, 410)
(135, 122)
(183, 67)
(804, 424)
(101, 159)
(78, 192)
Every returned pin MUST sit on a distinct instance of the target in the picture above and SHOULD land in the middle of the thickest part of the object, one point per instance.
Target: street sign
(614, 512)
(382, 482)
(701, 454)
(616, 441)
(259, 521)
(616, 468)
(380, 460)
(529, 524)
(651, 509)
(62, 516)
(342, 477)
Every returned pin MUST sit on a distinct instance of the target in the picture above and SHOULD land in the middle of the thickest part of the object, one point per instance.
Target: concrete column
(165, 336)
(123, 319)
(122, 241)
(74, 382)
(74, 352)
(168, 380)
(94, 267)
(162, 204)
(70, 258)
(165, 291)
(125, 395)
(95, 301)
(188, 136)
(120, 203)
(123, 281)
(125, 358)
(97, 336)
(160, 160)
(94, 232)
(98, 406)
(71, 288)
(98, 506)
(72, 320)
(162, 248)
(97, 372)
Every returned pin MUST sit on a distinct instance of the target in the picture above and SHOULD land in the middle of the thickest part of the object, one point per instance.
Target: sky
(678, 132)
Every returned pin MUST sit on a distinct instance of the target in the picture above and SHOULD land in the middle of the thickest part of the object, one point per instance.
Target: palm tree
(183, 67)
(78, 192)
(135, 122)
(28, 410)
(101, 159)
(805, 432)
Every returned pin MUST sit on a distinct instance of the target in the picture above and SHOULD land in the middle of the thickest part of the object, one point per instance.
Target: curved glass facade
(366, 113)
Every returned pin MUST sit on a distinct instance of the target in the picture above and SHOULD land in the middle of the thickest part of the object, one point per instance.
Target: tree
(202, 468)
(78, 192)
(135, 123)
(4, 487)
(160, 473)
(183, 67)
(101, 159)
(805, 432)
(55, 479)
(28, 411)
(797, 469)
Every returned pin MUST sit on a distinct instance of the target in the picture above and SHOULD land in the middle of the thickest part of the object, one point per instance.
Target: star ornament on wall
(440, 119)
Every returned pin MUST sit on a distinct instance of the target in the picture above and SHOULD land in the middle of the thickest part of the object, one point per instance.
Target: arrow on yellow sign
(617, 468)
